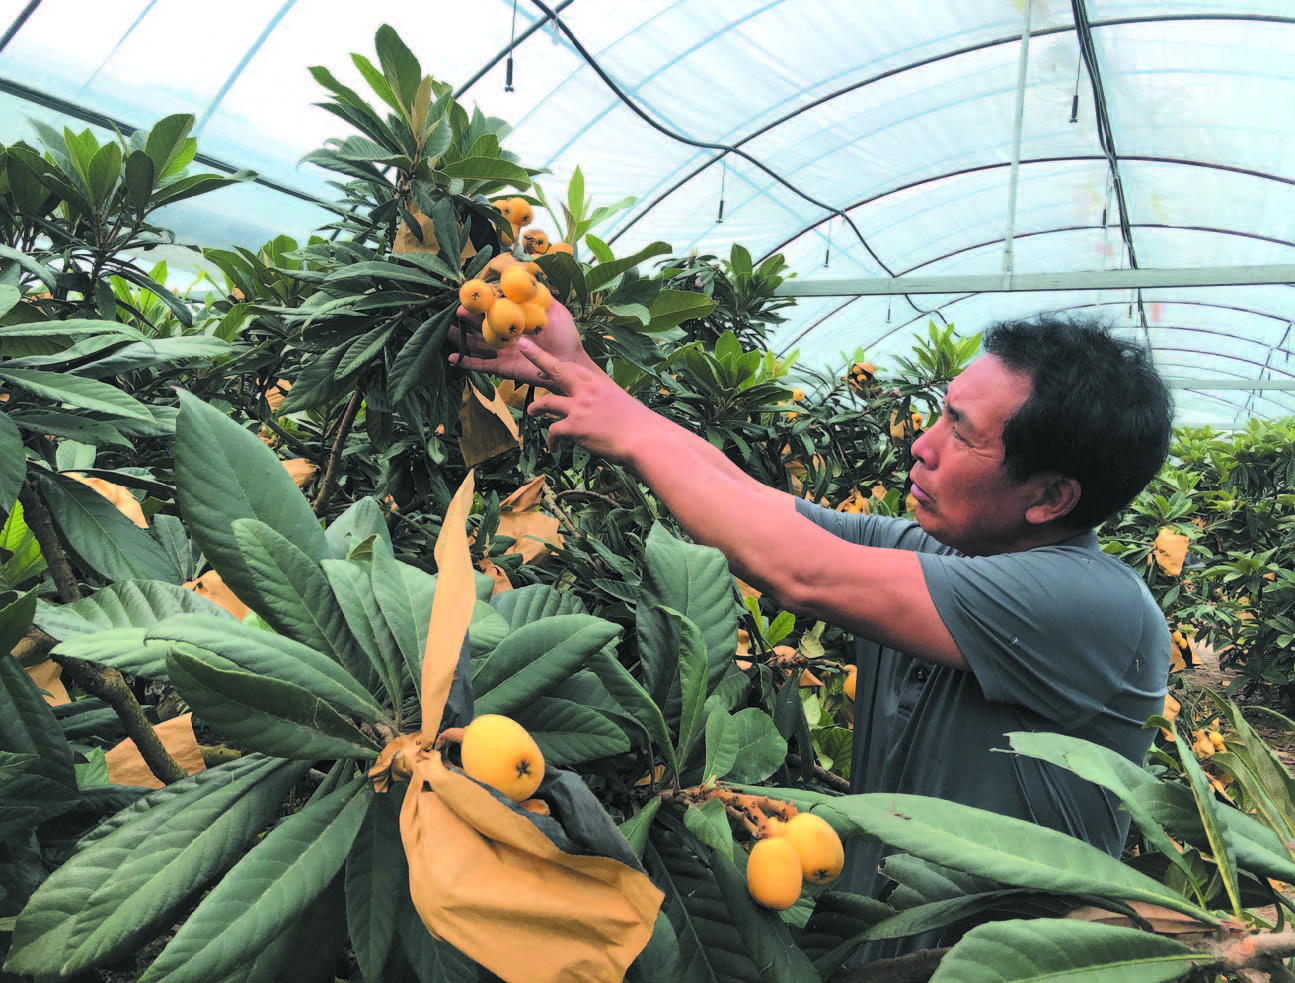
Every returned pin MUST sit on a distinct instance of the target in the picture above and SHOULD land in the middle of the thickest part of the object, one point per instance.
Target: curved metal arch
(987, 243)
(906, 324)
(1067, 159)
(922, 63)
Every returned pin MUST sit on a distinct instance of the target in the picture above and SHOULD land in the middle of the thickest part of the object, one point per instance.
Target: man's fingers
(538, 357)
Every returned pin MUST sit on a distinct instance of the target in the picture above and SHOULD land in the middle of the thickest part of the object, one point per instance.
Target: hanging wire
(723, 176)
(512, 40)
(827, 251)
(1074, 100)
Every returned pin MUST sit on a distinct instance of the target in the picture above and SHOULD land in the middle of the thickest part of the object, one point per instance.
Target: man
(994, 611)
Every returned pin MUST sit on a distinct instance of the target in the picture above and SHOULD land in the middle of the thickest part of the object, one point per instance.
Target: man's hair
(1098, 412)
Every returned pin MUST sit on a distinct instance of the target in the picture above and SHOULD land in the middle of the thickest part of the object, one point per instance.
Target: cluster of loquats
(802, 848)
(509, 293)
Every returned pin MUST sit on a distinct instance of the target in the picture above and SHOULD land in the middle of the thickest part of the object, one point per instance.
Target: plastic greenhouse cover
(870, 142)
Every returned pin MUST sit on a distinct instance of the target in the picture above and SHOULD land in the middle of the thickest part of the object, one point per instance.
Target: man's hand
(587, 406)
(560, 338)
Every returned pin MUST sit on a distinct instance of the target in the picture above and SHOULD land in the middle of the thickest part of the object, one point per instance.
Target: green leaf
(351, 584)
(635, 699)
(73, 390)
(130, 876)
(746, 746)
(266, 890)
(169, 192)
(377, 879)
(267, 715)
(488, 169)
(37, 775)
(709, 823)
(1056, 949)
(692, 683)
(1110, 770)
(404, 594)
(399, 65)
(166, 144)
(127, 604)
(223, 473)
(103, 174)
(603, 274)
(13, 462)
(417, 357)
(569, 733)
(141, 173)
(670, 308)
(233, 644)
(291, 592)
(694, 581)
(1008, 850)
(102, 537)
(764, 934)
(537, 657)
(1221, 847)
(710, 948)
(17, 613)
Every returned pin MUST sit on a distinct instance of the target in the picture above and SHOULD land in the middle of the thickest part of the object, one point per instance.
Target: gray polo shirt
(1063, 638)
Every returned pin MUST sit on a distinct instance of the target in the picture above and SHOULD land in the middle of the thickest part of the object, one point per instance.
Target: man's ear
(1057, 496)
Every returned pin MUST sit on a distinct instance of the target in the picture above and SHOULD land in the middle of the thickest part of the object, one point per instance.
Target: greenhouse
(753, 490)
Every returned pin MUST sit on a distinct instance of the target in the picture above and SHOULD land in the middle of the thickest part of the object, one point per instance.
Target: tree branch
(106, 683)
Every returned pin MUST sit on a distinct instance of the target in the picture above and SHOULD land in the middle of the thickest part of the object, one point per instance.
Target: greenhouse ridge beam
(1215, 276)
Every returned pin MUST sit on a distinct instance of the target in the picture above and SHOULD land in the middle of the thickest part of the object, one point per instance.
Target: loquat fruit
(773, 873)
(518, 284)
(497, 751)
(819, 849)
(476, 296)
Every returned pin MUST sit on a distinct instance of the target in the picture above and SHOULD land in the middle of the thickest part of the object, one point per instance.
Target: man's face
(964, 496)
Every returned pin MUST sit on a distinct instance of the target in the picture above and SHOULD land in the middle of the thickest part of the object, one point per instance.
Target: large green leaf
(292, 593)
(627, 691)
(762, 931)
(536, 657)
(127, 650)
(692, 686)
(404, 594)
(306, 949)
(267, 715)
(223, 473)
(711, 950)
(13, 462)
(352, 587)
(267, 890)
(37, 775)
(377, 879)
(1046, 950)
(535, 601)
(126, 604)
(271, 657)
(569, 733)
(130, 876)
(1002, 848)
(743, 747)
(694, 581)
(1221, 847)
(88, 394)
(102, 537)
(1112, 771)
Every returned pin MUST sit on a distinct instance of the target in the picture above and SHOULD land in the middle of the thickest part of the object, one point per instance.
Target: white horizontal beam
(1216, 276)
(1247, 385)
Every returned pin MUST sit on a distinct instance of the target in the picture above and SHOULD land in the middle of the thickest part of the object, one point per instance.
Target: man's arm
(879, 594)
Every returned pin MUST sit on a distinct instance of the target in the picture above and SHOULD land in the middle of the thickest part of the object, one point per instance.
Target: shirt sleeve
(1055, 630)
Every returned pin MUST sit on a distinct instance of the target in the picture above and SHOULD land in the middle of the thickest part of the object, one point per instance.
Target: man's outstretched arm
(879, 594)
